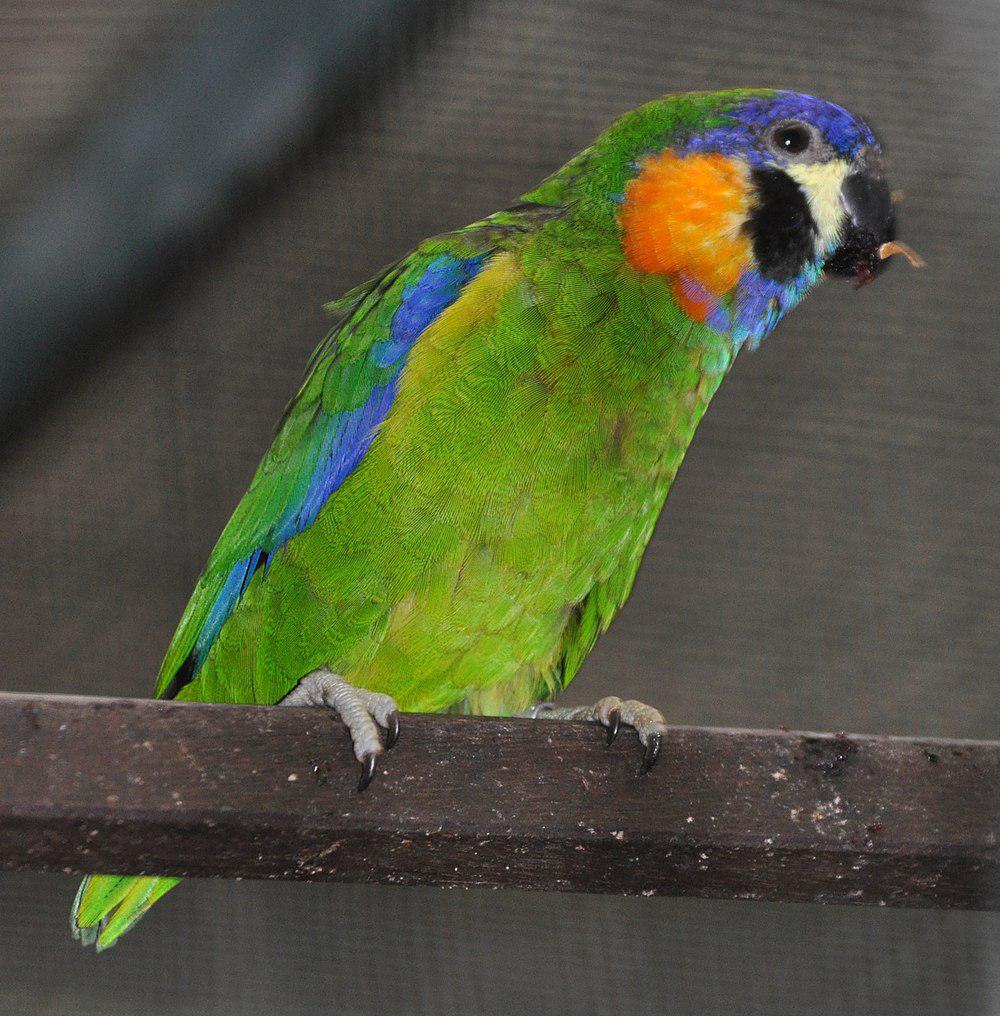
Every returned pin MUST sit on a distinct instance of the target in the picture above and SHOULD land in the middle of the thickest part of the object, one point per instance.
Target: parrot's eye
(791, 138)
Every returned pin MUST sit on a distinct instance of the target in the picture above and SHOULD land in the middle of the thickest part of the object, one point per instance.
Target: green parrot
(458, 497)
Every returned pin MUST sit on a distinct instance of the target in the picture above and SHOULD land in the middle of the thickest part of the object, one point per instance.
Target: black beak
(871, 222)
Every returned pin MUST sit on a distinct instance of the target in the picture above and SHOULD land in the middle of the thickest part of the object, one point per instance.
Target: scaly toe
(384, 711)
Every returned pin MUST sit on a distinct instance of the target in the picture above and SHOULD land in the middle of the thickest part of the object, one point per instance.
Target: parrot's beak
(869, 230)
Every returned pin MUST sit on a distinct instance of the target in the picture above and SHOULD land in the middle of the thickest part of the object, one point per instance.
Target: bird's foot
(360, 711)
(611, 712)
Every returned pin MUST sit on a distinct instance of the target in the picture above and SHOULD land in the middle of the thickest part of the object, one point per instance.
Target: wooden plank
(128, 785)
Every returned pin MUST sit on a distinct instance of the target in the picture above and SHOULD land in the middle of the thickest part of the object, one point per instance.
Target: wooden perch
(92, 785)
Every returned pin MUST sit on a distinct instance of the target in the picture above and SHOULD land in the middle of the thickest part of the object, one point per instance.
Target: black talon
(614, 723)
(391, 729)
(652, 753)
(367, 771)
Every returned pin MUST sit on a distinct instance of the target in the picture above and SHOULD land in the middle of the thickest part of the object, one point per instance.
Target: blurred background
(183, 185)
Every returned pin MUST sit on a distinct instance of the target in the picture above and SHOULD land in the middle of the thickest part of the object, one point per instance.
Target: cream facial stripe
(821, 183)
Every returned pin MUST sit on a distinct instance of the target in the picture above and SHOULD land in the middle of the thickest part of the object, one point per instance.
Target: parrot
(458, 497)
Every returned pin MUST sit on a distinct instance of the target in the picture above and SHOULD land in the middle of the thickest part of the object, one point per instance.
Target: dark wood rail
(128, 785)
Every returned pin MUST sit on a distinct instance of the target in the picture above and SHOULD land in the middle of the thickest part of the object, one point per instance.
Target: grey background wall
(828, 558)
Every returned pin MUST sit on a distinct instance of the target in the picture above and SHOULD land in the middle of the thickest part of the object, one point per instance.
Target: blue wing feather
(337, 439)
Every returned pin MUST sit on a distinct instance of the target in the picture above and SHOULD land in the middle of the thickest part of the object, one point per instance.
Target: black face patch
(781, 226)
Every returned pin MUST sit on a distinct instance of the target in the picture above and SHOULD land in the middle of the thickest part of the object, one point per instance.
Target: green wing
(324, 433)
(328, 426)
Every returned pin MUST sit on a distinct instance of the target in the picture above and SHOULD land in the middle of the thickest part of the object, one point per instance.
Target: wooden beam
(89, 785)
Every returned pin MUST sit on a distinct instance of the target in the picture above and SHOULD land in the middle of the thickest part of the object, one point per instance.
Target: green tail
(106, 906)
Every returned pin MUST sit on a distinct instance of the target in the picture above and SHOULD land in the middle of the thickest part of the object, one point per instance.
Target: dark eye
(791, 138)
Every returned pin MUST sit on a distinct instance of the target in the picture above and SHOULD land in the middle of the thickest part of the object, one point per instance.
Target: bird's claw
(367, 771)
(363, 713)
(614, 725)
(391, 725)
(648, 723)
(391, 729)
(612, 713)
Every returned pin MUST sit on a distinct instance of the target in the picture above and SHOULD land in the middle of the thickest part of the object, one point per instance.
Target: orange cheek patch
(682, 217)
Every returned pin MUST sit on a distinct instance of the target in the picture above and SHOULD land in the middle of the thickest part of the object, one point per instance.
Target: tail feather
(106, 906)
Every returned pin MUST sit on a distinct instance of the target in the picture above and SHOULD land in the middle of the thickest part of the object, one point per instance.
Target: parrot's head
(744, 199)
